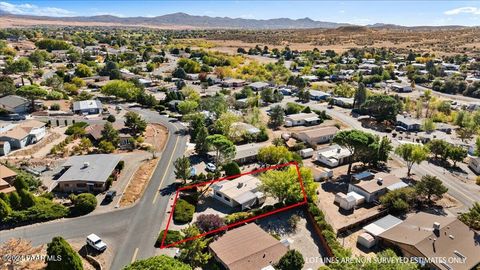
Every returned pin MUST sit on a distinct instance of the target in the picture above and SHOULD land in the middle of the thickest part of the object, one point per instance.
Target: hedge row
(172, 237)
(183, 212)
(328, 233)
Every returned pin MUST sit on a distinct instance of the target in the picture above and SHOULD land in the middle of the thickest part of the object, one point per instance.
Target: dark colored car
(110, 195)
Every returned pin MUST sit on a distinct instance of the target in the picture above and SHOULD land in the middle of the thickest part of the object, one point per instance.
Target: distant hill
(186, 21)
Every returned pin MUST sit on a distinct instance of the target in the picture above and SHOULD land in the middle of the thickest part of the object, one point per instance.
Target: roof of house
(453, 240)
(319, 132)
(381, 225)
(241, 189)
(95, 168)
(248, 247)
(259, 84)
(17, 133)
(87, 104)
(301, 116)
(334, 151)
(241, 126)
(12, 101)
(318, 93)
(6, 172)
(380, 181)
(407, 121)
(28, 125)
(95, 130)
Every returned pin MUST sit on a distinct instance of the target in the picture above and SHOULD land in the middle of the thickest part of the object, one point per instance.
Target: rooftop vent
(239, 185)
(436, 226)
(86, 164)
(380, 181)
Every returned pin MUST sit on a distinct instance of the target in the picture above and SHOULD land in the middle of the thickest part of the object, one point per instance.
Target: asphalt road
(130, 232)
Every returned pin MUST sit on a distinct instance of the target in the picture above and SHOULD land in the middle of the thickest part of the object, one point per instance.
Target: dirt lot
(138, 182)
(156, 135)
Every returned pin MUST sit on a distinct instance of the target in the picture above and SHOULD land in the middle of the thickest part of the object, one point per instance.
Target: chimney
(338, 150)
(436, 226)
(86, 164)
(239, 185)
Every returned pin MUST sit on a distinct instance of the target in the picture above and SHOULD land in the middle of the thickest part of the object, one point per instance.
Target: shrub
(55, 107)
(231, 168)
(120, 165)
(208, 222)
(76, 129)
(477, 181)
(183, 212)
(292, 260)
(161, 262)
(70, 258)
(111, 118)
(106, 147)
(84, 204)
(43, 210)
(172, 237)
(232, 218)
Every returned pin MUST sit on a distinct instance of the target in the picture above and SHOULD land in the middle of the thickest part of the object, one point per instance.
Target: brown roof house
(7, 176)
(23, 134)
(317, 135)
(126, 140)
(374, 188)
(247, 247)
(440, 242)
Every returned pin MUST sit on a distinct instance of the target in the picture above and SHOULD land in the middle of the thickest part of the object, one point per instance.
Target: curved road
(130, 232)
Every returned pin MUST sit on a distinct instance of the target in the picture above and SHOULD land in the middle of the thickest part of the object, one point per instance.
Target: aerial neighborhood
(143, 148)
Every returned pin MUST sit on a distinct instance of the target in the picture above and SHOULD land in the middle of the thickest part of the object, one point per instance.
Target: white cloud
(29, 9)
(467, 10)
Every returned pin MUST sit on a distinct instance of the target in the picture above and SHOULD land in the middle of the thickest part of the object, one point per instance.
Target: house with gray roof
(242, 192)
(87, 107)
(15, 104)
(89, 173)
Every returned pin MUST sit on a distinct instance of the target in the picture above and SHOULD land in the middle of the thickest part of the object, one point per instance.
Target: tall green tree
(430, 186)
(457, 154)
(70, 260)
(277, 116)
(201, 144)
(381, 107)
(38, 58)
(285, 187)
(32, 92)
(83, 71)
(22, 65)
(355, 141)
(360, 96)
(182, 168)
(439, 148)
(135, 123)
(411, 154)
(194, 252)
(472, 217)
(223, 147)
(110, 134)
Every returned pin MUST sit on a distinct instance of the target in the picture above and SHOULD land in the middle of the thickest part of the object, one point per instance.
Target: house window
(227, 199)
(218, 194)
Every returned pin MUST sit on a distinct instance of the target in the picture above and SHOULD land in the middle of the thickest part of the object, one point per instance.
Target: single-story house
(474, 164)
(241, 128)
(343, 102)
(233, 83)
(245, 153)
(401, 88)
(242, 192)
(298, 119)
(17, 137)
(247, 247)
(310, 78)
(317, 135)
(333, 155)
(425, 236)
(15, 104)
(7, 177)
(89, 173)
(318, 95)
(87, 107)
(94, 132)
(36, 130)
(408, 124)
(259, 86)
(373, 189)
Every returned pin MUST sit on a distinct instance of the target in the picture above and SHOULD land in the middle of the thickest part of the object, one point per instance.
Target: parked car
(110, 195)
(96, 242)
(211, 167)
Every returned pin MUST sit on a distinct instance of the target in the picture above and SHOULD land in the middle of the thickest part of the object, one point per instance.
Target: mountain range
(186, 21)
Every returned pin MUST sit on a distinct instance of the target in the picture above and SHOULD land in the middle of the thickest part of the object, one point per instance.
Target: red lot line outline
(241, 221)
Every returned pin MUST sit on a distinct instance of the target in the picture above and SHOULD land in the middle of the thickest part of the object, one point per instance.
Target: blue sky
(357, 12)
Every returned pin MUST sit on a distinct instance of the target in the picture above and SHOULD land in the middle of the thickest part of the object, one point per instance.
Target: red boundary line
(162, 246)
